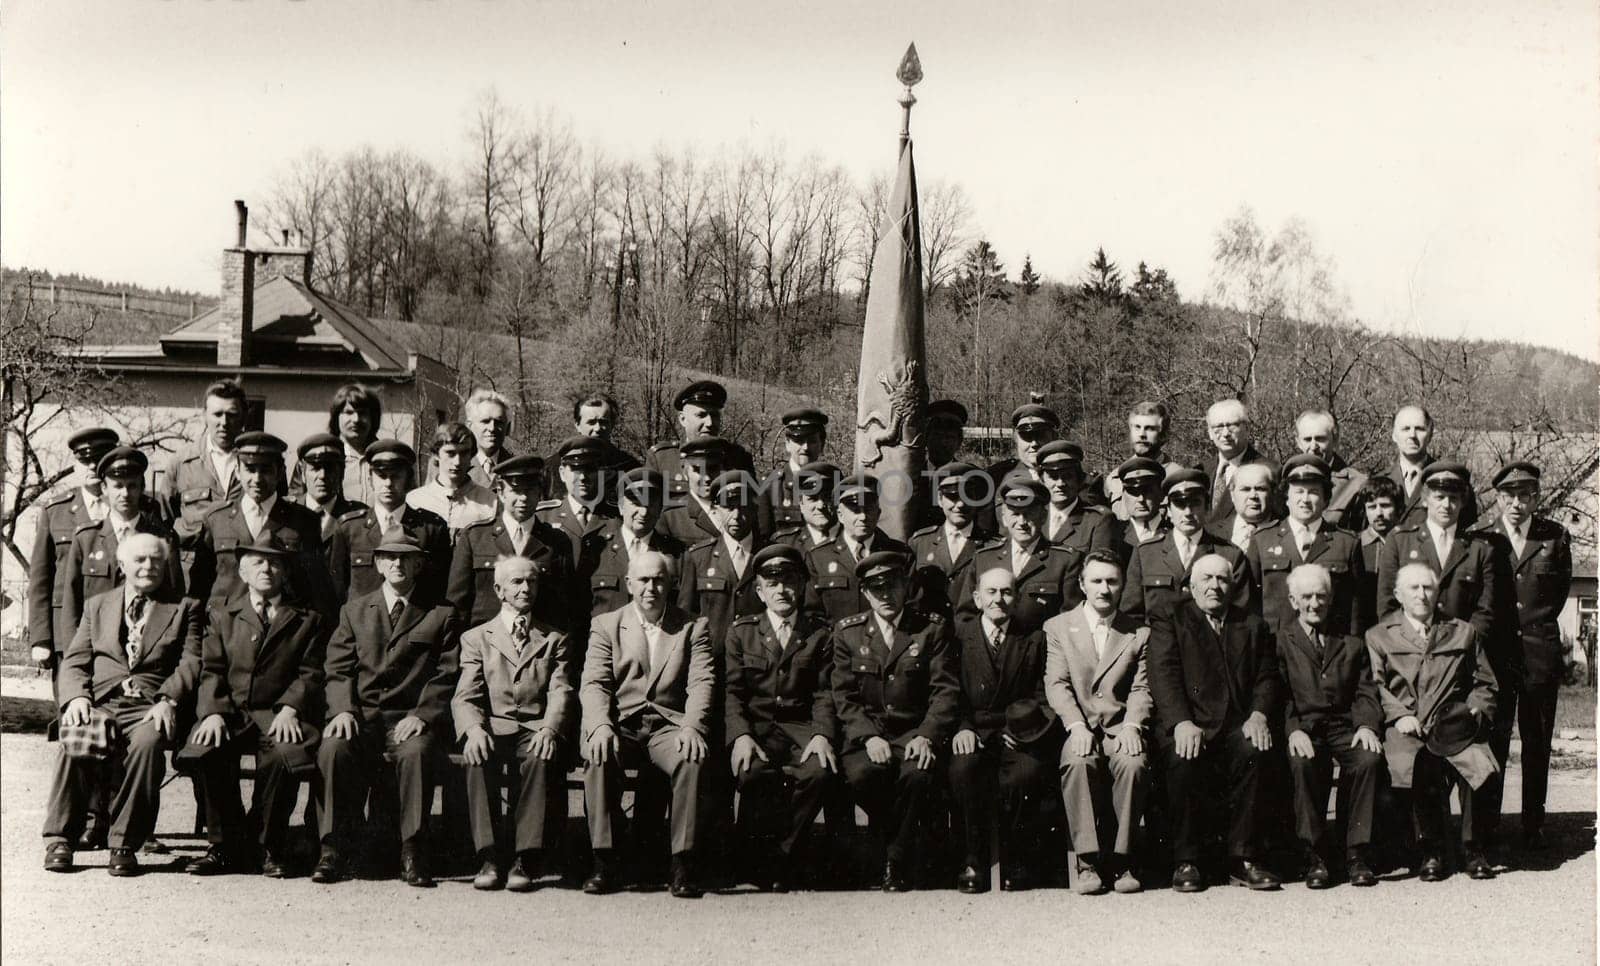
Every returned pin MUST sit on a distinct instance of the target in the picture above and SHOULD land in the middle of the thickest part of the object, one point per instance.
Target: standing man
(1413, 435)
(942, 554)
(390, 671)
(805, 434)
(514, 532)
(896, 691)
(1228, 424)
(321, 468)
(1097, 683)
(1378, 506)
(451, 494)
(1316, 433)
(260, 694)
(582, 513)
(717, 578)
(1046, 574)
(1138, 511)
(944, 434)
(204, 474)
(1158, 575)
(641, 501)
(1148, 427)
(1538, 553)
(597, 415)
(513, 709)
(1251, 496)
(1032, 426)
(699, 407)
(1214, 677)
(1331, 714)
(835, 589)
(1306, 537)
(488, 415)
(780, 721)
(1002, 679)
(1070, 521)
(133, 660)
(816, 483)
(352, 560)
(692, 518)
(647, 698)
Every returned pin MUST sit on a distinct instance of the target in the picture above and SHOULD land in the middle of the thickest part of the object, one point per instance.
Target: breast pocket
(605, 582)
(711, 585)
(1275, 563)
(1159, 582)
(193, 504)
(101, 568)
(363, 558)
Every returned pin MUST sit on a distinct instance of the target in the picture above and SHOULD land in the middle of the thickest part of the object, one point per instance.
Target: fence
(57, 293)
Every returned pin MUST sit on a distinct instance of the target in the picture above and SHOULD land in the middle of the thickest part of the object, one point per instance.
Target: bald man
(1228, 426)
(1412, 434)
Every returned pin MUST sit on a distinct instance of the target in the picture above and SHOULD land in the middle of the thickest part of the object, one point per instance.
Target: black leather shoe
(1253, 876)
(272, 867)
(330, 867)
(1187, 877)
(522, 872)
(1017, 879)
(214, 862)
(93, 838)
(603, 879)
(58, 857)
(893, 879)
(1533, 839)
(124, 862)
(413, 867)
(490, 877)
(1361, 874)
(683, 884)
(1317, 874)
(1432, 869)
(1478, 866)
(971, 881)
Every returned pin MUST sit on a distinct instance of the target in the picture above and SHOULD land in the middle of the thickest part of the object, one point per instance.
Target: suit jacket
(336, 510)
(935, 576)
(709, 588)
(470, 589)
(665, 459)
(1127, 538)
(1222, 497)
(214, 575)
(245, 667)
(91, 566)
(582, 541)
(1334, 687)
(778, 503)
(688, 523)
(775, 693)
(1540, 579)
(1157, 577)
(1214, 682)
(381, 673)
(1047, 585)
(1274, 553)
(1223, 529)
(834, 590)
(95, 665)
(350, 553)
(620, 681)
(608, 583)
(989, 686)
(1474, 586)
(60, 518)
(509, 692)
(898, 689)
(1104, 694)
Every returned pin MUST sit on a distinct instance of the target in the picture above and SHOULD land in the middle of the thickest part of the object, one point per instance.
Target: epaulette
(789, 530)
(926, 530)
(546, 505)
(854, 619)
(91, 525)
(746, 619)
(1407, 528)
(60, 498)
(352, 515)
(707, 542)
(481, 523)
(219, 508)
(994, 544)
(663, 447)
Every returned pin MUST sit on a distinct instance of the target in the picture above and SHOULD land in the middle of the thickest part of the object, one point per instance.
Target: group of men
(1053, 645)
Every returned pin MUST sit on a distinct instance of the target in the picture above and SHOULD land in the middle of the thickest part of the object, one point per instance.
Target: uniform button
(1097, 694)
(891, 677)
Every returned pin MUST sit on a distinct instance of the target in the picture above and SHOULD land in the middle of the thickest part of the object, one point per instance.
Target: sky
(1443, 154)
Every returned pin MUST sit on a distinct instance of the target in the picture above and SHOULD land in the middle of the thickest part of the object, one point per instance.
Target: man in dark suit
(582, 513)
(1538, 553)
(1046, 574)
(515, 531)
(1251, 493)
(134, 659)
(941, 554)
(91, 567)
(641, 500)
(717, 579)
(805, 434)
(260, 693)
(1316, 433)
(1002, 671)
(1228, 425)
(1214, 676)
(780, 721)
(1158, 574)
(896, 690)
(835, 590)
(1305, 536)
(1330, 714)
(322, 467)
(1413, 435)
(352, 556)
(1070, 521)
(699, 406)
(488, 414)
(390, 673)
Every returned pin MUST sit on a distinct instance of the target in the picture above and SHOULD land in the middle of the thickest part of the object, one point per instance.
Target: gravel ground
(1540, 910)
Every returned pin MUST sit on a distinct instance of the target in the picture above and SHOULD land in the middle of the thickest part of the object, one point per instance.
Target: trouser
(354, 770)
(135, 768)
(540, 800)
(1359, 772)
(1432, 778)
(276, 785)
(1230, 761)
(1019, 779)
(1536, 722)
(1104, 794)
(1493, 791)
(896, 796)
(644, 737)
(779, 798)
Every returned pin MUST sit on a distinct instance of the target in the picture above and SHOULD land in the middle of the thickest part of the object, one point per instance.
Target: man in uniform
(513, 710)
(1002, 679)
(1070, 521)
(204, 474)
(1378, 506)
(835, 589)
(779, 716)
(390, 673)
(1158, 574)
(1046, 574)
(260, 694)
(641, 501)
(1316, 433)
(1330, 714)
(1214, 677)
(717, 579)
(1538, 553)
(815, 484)
(450, 493)
(1138, 511)
(941, 554)
(1228, 424)
(1251, 496)
(1412, 435)
(896, 691)
(691, 518)
(1306, 537)
(582, 513)
(805, 433)
(699, 407)
(322, 466)
(514, 532)
(1032, 426)
(392, 466)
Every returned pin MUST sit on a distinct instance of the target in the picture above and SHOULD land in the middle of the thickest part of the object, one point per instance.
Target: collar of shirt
(351, 453)
(321, 508)
(216, 453)
(256, 600)
(90, 499)
(778, 624)
(650, 627)
(387, 518)
(578, 509)
(1304, 531)
(1143, 530)
(390, 596)
(1420, 628)
(952, 534)
(631, 542)
(262, 509)
(1062, 512)
(1439, 534)
(989, 627)
(886, 627)
(512, 525)
(1520, 533)
(128, 594)
(1096, 619)
(817, 536)
(1029, 551)
(1310, 632)
(508, 620)
(729, 541)
(857, 550)
(120, 524)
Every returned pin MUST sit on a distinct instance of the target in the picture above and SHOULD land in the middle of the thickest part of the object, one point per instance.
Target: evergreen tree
(1028, 279)
(980, 280)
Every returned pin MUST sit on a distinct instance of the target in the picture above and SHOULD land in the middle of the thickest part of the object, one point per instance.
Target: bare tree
(946, 225)
(493, 139)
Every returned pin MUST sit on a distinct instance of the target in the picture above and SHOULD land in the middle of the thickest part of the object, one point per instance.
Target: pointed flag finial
(910, 72)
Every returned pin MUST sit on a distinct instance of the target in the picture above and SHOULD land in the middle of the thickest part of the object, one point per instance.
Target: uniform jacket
(1423, 678)
(935, 576)
(1274, 553)
(95, 665)
(1367, 588)
(356, 488)
(1336, 687)
(834, 590)
(1541, 577)
(1157, 577)
(989, 686)
(1216, 683)
(1103, 694)
(778, 505)
(191, 490)
(1414, 509)
(1473, 586)
(1223, 529)
(350, 553)
(619, 680)
(214, 575)
(470, 589)
(1222, 496)
(799, 537)
(245, 667)
(1087, 527)
(775, 693)
(1047, 585)
(665, 459)
(381, 673)
(59, 520)
(608, 584)
(709, 588)
(688, 523)
(898, 689)
(507, 692)
(337, 509)
(582, 541)
(1127, 538)
(91, 566)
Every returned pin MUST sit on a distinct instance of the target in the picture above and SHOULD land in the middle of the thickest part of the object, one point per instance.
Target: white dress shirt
(1304, 534)
(782, 629)
(1518, 535)
(255, 514)
(95, 505)
(224, 463)
(955, 538)
(652, 638)
(857, 551)
(1099, 629)
(1443, 540)
(1021, 556)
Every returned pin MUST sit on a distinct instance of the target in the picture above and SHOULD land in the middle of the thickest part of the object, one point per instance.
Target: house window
(255, 414)
(1587, 606)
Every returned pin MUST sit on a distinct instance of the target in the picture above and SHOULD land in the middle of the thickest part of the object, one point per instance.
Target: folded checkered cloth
(92, 739)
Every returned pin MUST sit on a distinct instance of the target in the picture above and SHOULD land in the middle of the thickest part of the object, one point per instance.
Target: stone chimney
(236, 309)
(290, 261)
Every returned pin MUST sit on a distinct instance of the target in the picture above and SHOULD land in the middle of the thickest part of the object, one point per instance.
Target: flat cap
(880, 564)
(581, 451)
(1306, 468)
(706, 393)
(1139, 469)
(704, 446)
(1509, 475)
(266, 544)
(384, 451)
(251, 444)
(1033, 414)
(520, 467)
(1060, 451)
(397, 540)
(87, 442)
(1446, 475)
(953, 473)
(641, 485)
(947, 410)
(321, 448)
(799, 423)
(122, 461)
(779, 560)
(733, 488)
(818, 478)
(856, 487)
(1020, 490)
(1185, 478)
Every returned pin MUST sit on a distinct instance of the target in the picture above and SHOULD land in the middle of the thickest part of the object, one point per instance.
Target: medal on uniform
(915, 650)
(833, 566)
(97, 554)
(711, 571)
(863, 649)
(1276, 550)
(1413, 554)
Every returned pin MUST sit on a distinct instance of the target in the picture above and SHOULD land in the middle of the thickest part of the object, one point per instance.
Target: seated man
(260, 689)
(1214, 677)
(91, 563)
(391, 670)
(1438, 693)
(1330, 714)
(896, 690)
(513, 706)
(1002, 669)
(1096, 680)
(780, 721)
(135, 657)
(646, 695)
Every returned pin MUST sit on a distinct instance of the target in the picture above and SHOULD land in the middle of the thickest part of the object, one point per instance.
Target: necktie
(329, 521)
(1411, 481)
(1518, 541)
(519, 632)
(1216, 625)
(997, 638)
(784, 633)
(135, 615)
(1316, 643)
(395, 610)
(737, 554)
(957, 542)
(516, 538)
(1224, 475)
(1185, 549)
(1099, 639)
(265, 617)
(582, 513)
(1442, 544)
(1305, 544)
